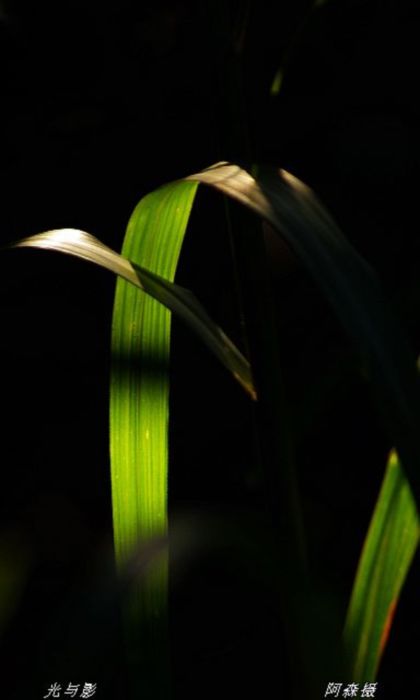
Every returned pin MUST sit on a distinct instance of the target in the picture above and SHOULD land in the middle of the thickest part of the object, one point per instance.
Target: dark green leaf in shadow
(350, 286)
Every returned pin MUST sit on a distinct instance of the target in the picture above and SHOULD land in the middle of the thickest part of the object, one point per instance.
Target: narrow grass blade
(139, 414)
(177, 299)
(350, 286)
(386, 557)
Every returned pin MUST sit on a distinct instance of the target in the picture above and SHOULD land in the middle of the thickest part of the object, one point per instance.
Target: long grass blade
(350, 286)
(177, 299)
(139, 414)
(388, 551)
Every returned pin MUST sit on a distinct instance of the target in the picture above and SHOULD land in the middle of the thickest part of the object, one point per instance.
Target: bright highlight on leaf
(388, 551)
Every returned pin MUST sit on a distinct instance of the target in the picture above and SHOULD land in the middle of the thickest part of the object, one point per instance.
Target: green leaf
(139, 382)
(386, 557)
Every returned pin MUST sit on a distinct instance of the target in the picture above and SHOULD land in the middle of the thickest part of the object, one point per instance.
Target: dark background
(100, 103)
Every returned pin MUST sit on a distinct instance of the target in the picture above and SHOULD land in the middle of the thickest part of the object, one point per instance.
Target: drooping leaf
(388, 551)
(177, 299)
(349, 285)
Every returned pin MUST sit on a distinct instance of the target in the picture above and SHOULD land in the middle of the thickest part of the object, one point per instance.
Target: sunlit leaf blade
(350, 286)
(179, 300)
(139, 413)
(82, 245)
(386, 557)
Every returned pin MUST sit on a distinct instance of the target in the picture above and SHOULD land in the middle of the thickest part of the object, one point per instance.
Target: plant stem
(271, 414)
(273, 419)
